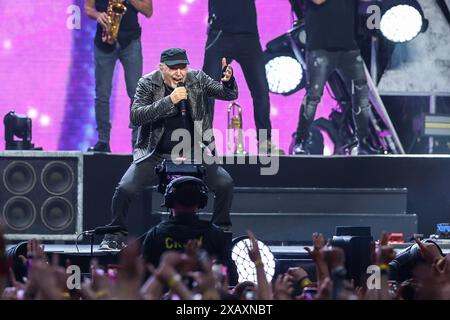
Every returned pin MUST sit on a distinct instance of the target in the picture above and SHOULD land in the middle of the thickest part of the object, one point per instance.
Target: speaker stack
(41, 194)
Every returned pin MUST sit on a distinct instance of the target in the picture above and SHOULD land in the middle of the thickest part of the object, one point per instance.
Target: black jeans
(350, 66)
(105, 63)
(141, 175)
(246, 50)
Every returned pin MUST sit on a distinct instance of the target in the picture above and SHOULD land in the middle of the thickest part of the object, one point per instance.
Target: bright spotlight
(402, 21)
(284, 58)
(17, 126)
(284, 74)
(245, 267)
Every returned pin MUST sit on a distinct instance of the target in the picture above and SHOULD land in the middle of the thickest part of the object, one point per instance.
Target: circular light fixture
(245, 267)
(401, 23)
(284, 74)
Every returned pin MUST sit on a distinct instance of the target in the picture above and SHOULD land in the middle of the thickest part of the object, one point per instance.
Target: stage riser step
(294, 228)
(309, 200)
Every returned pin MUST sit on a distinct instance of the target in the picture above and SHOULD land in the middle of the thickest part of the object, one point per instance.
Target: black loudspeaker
(41, 194)
(355, 241)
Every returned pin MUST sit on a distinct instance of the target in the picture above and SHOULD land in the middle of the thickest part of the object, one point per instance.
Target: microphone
(182, 103)
(104, 230)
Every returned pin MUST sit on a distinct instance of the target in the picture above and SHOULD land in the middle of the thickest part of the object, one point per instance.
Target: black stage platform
(395, 193)
(396, 185)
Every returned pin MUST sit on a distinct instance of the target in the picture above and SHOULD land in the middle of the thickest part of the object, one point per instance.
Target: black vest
(331, 25)
(233, 16)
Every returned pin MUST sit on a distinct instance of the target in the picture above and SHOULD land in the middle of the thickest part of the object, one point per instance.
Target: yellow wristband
(258, 263)
(65, 294)
(305, 283)
(174, 280)
(383, 267)
(100, 293)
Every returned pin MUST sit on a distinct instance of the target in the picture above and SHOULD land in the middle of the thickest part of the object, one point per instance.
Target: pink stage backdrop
(46, 68)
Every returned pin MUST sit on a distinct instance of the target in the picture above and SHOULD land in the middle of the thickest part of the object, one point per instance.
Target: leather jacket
(151, 107)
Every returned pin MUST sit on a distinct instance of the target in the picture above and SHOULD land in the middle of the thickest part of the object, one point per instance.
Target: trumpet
(235, 136)
(115, 11)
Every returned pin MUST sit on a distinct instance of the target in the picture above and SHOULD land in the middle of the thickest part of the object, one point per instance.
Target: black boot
(100, 147)
(299, 146)
(114, 241)
(362, 117)
(364, 147)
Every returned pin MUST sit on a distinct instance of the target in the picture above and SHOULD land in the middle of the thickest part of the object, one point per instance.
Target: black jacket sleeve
(220, 90)
(145, 109)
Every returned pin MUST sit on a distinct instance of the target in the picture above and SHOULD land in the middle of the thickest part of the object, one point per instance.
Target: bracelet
(101, 293)
(211, 295)
(176, 278)
(383, 267)
(258, 263)
(305, 283)
(65, 294)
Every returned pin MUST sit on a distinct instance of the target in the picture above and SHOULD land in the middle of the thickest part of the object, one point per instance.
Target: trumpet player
(118, 37)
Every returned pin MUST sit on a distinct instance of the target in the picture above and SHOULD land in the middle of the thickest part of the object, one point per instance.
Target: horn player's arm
(91, 12)
(143, 6)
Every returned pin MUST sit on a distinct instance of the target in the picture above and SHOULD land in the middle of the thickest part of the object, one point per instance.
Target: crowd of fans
(193, 275)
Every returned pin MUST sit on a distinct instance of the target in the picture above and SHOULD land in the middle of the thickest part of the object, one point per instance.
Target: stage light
(285, 70)
(245, 267)
(20, 127)
(284, 74)
(402, 20)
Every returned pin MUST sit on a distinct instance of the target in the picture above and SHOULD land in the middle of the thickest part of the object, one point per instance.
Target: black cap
(174, 56)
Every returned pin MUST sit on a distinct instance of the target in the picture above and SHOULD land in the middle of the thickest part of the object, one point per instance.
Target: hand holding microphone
(179, 96)
(179, 93)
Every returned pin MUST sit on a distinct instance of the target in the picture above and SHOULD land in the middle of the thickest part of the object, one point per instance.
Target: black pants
(141, 175)
(350, 66)
(246, 50)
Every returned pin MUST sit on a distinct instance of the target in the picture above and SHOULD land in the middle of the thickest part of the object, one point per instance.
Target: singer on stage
(168, 99)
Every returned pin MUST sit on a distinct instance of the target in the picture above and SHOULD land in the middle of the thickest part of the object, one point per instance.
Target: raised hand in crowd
(318, 256)
(100, 285)
(46, 281)
(168, 273)
(383, 254)
(283, 287)
(131, 272)
(299, 277)
(207, 283)
(263, 291)
(429, 251)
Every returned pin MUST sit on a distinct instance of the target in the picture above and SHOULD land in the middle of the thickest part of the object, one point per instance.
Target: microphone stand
(92, 247)
(98, 230)
(91, 234)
